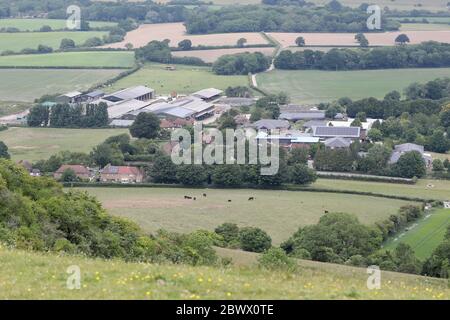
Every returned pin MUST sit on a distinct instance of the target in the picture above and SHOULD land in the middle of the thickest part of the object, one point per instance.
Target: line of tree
(65, 115)
(426, 55)
(241, 63)
(256, 18)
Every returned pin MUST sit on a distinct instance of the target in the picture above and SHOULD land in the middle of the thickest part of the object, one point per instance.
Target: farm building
(80, 171)
(271, 124)
(70, 97)
(208, 94)
(94, 95)
(332, 132)
(175, 123)
(303, 115)
(289, 139)
(236, 101)
(314, 123)
(121, 174)
(366, 125)
(401, 149)
(118, 110)
(141, 93)
(337, 143)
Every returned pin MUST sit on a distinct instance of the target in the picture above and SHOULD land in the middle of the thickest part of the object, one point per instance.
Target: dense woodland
(425, 55)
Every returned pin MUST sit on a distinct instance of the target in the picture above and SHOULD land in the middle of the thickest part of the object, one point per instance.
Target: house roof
(324, 132)
(118, 110)
(78, 169)
(305, 115)
(271, 124)
(337, 142)
(314, 123)
(72, 94)
(95, 94)
(121, 170)
(236, 101)
(207, 93)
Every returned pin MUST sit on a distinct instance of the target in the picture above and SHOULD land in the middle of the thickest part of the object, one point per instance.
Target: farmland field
(314, 86)
(29, 84)
(431, 5)
(24, 274)
(40, 143)
(184, 80)
(424, 235)
(348, 39)
(440, 189)
(90, 59)
(213, 55)
(280, 213)
(18, 41)
(176, 32)
(55, 24)
(424, 26)
(11, 107)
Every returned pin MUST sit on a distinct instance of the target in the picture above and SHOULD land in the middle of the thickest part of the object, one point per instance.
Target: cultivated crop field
(213, 55)
(424, 188)
(348, 39)
(280, 213)
(55, 24)
(26, 274)
(431, 5)
(40, 143)
(424, 235)
(183, 80)
(424, 26)
(18, 41)
(90, 59)
(29, 84)
(315, 86)
(176, 32)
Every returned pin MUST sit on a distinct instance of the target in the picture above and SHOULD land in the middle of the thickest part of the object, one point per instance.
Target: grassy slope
(11, 107)
(27, 275)
(71, 59)
(27, 85)
(55, 24)
(40, 143)
(186, 79)
(280, 213)
(19, 41)
(313, 86)
(439, 191)
(425, 235)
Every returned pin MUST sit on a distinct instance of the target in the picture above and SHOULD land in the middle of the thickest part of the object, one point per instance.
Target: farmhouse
(332, 132)
(70, 97)
(337, 143)
(81, 172)
(401, 149)
(121, 174)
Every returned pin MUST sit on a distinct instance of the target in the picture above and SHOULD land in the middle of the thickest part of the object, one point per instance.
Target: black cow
(251, 198)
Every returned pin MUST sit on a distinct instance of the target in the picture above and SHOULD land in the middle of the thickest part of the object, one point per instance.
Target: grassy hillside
(425, 235)
(19, 41)
(27, 84)
(185, 79)
(27, 275)
(314, 86)
(280, 213)
(40, 143)
(424, 188)
(55, 24)
(92, 59)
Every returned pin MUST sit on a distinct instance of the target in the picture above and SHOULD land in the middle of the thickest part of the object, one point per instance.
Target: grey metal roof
(118, 110)
(237, 102)
(306, 115)
(314, 123)
(337, 142)
(348, 132)
(95, 94)
(178, 112)
(207, 93)
(293, 108)
(270, 124)
(406, 147)
(130, 93)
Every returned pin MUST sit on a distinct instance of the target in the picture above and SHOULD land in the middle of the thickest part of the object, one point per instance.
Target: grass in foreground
(280, 213)
(425, 235)
(27, 275)
(93, 59)
(424, 188)
(29, 84)
(184, 80)
(55, 24)
(18, 41)
(40, 143)
(314, 86)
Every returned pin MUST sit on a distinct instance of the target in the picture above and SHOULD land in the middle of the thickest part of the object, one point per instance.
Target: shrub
(254, 239)
(276, 259)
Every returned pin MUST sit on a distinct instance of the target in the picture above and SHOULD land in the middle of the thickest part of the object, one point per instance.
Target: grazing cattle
(204, 195)
(195, 198)
(187, 197)
(251, 198)
(326, 211)
(229, 200)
